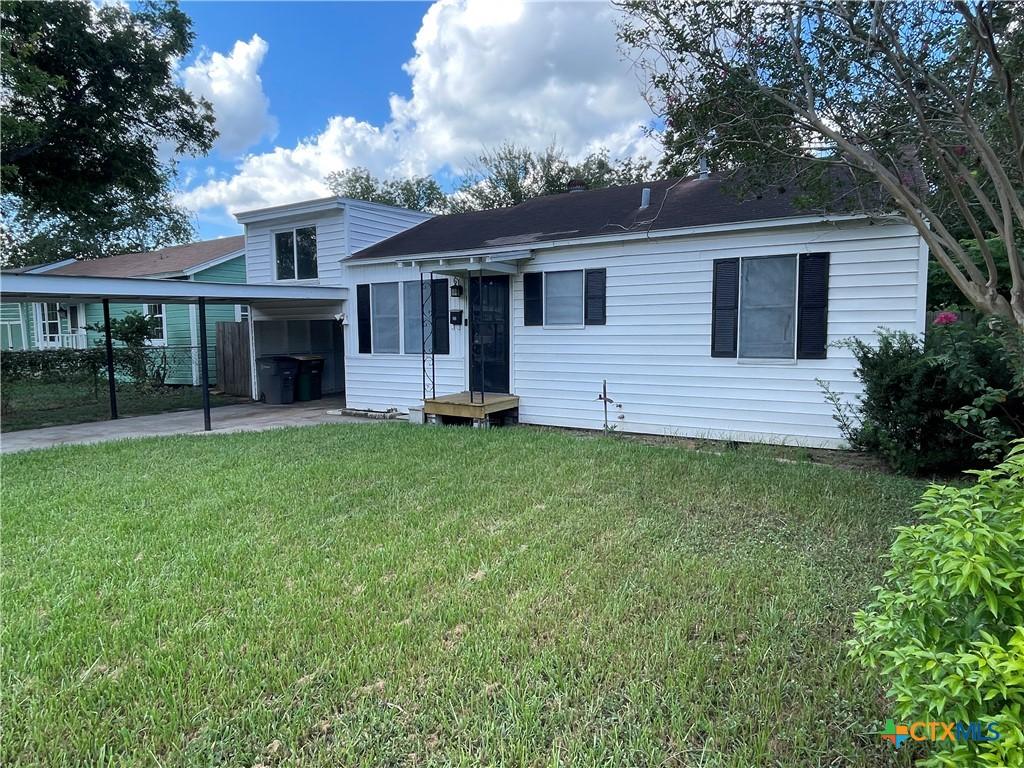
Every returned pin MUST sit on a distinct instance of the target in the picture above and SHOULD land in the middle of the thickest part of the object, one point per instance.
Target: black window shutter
(725, 292)
(812, 312)
(439, 304)
(594, 282)
(533, 298)
(363, 317)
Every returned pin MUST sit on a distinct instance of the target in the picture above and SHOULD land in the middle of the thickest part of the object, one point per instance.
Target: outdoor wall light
(456, 291)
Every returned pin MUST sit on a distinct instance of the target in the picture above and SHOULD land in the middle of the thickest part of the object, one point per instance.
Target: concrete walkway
(228, 418)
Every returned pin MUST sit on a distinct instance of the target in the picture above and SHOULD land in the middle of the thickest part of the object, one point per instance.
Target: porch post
(204, 364)
(111, 380)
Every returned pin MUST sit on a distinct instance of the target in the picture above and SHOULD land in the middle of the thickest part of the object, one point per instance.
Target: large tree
(511, 174)
(417, 193)
(916, 105)
(92, 119)
(496, 178)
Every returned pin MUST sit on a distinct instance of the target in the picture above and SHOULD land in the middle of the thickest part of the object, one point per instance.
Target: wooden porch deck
(461, 404)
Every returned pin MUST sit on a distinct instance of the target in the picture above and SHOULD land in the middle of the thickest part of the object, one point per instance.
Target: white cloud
(483, 72)
(232, 84)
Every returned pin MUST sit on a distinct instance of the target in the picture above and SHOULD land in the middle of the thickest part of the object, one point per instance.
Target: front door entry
(489, 333)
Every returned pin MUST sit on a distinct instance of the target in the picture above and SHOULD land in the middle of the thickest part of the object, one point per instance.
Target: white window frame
(740, 359)
(45, 339)
(162, 314)
(583, 295)
(295, 252)
(373, 322)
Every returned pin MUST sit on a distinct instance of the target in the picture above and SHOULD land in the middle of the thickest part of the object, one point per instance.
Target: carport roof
(81, 289)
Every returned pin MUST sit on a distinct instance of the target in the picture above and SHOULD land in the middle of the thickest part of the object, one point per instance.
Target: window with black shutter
(363, 318)
(439, 307)
(533, 298)
(725, 307)
(812, 313)
(594, 297)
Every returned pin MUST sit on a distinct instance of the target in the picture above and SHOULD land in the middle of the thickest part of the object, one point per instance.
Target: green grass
(393, 595)
(33, 404)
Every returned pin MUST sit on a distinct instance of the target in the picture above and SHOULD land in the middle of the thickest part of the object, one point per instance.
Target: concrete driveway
(229, 418)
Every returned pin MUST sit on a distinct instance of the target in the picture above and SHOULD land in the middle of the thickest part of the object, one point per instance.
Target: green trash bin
(309, 381)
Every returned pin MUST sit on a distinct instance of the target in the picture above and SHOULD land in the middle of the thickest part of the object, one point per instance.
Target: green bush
(937, 404)
(75, 364)
(946, 629)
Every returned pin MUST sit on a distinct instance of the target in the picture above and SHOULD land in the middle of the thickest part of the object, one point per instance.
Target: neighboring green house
(54, 326)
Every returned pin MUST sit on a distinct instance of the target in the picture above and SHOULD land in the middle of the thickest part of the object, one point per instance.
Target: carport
(81, 289)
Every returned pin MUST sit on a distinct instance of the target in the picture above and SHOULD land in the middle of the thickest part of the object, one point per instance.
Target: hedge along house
(672, 307)
(53, 325)
(306, 244)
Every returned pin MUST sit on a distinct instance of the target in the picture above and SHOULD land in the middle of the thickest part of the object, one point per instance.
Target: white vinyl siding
(654, 351)
(379, 382)
(339, 233)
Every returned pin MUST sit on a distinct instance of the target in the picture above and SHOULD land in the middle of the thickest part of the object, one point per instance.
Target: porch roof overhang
(82, 289)
(503, 263)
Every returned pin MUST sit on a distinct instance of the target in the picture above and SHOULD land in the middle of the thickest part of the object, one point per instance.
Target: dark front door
(488, 333)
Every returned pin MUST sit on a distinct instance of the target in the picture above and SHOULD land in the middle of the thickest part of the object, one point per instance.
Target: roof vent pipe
(645, 197)
(702, 165)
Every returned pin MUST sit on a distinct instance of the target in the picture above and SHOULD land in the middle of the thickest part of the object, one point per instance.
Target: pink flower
(945, 318)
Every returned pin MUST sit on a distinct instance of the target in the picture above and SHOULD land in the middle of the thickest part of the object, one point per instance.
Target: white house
(697, 314)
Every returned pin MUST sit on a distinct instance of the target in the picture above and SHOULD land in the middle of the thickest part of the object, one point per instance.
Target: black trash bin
(309, 381)
(277, 378)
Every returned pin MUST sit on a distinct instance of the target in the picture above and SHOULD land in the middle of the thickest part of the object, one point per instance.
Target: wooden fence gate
(234, 373)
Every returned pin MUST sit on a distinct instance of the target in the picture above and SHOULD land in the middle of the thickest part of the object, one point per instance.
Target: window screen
(385, 317)
(768, 307)
(563, 298)
(417, 315)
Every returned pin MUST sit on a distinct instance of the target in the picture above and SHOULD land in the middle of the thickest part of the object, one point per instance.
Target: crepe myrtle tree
(912, 106)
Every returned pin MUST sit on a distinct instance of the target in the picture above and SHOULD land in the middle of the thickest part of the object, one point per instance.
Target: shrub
(939, 403)
(947, 626)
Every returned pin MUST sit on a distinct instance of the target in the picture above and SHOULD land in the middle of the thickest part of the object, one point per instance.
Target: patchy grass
(33, 404)
(394, 595)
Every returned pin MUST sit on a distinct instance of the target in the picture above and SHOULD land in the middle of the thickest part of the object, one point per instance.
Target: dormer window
(295, 254)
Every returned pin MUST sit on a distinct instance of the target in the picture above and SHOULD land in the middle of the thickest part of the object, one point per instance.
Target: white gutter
(617, 237)
(22, 287)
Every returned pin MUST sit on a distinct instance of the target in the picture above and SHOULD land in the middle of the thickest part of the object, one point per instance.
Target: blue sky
(300, 89)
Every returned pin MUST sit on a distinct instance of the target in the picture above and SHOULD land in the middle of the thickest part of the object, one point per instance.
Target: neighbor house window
(385, 320)
(49, 324)
(770, 307)
(563, 298)
(295, 254)
(157, 311)
(243, 312)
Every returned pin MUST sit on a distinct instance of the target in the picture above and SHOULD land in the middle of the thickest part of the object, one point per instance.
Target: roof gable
(173, 260)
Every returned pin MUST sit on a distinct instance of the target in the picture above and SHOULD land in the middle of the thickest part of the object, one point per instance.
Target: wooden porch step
(468, 406)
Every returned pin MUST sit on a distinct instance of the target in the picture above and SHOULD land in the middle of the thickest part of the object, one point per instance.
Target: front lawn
(396, 595)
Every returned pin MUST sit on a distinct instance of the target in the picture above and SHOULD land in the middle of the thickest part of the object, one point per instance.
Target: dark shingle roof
(173, 260)
(675, 203)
